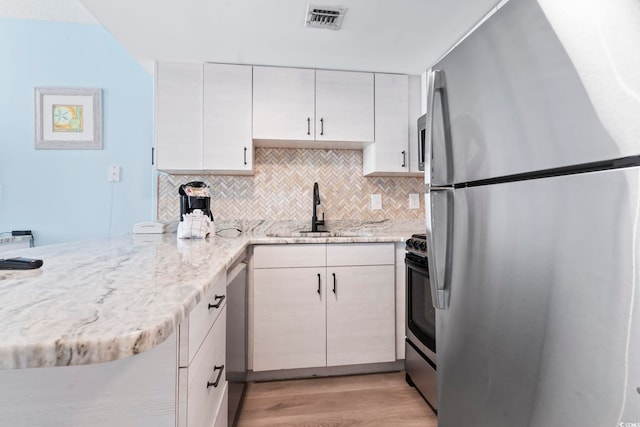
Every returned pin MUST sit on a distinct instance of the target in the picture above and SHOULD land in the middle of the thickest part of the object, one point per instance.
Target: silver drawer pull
(220, 370)
(218, 298)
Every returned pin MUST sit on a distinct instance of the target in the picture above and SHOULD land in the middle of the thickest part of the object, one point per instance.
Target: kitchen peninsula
(94, 335)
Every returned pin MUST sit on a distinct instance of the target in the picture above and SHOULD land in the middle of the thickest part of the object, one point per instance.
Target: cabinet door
(222, 417)
(360, 315)
(283, 103)
(389, 154)
(178, 116)
(204, 381)
(344, 106)
(227, 143)
(289, 318)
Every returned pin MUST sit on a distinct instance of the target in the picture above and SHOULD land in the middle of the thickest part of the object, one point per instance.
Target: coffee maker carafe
(195, 195)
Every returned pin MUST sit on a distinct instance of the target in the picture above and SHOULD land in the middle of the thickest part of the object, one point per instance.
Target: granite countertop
(103, 300)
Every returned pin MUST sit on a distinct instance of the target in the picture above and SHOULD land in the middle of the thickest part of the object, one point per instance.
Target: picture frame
(68, 118)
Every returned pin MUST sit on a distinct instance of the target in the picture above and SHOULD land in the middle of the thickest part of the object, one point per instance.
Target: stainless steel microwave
(422, 140)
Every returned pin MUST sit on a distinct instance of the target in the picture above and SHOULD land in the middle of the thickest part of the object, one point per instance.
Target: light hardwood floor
(362, 400)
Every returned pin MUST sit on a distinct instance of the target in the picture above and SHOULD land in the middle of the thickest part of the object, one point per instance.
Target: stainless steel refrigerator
(533, 215)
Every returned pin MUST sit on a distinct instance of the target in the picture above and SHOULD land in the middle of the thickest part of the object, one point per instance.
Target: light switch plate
(376, 202)
(114, 173)
(414, 201)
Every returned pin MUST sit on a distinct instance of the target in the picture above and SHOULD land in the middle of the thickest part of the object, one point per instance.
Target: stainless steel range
(420, 346)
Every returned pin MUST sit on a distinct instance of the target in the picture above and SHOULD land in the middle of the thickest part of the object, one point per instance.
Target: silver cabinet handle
(245, 155)
(308, 125)
(322, 126)
(404, 159)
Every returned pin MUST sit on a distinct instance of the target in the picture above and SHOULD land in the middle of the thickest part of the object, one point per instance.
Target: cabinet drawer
(222, 415)
(343, 254)
(195, 327)
(198, 397)
(276, 256)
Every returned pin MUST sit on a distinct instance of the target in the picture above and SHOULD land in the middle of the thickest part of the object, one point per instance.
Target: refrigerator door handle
(439, 273)
(436, 84)
(428, 148)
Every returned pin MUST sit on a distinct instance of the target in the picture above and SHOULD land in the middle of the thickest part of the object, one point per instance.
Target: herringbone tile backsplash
(282, 189)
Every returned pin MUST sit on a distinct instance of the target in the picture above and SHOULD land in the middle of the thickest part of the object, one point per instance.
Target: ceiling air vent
(329, 17)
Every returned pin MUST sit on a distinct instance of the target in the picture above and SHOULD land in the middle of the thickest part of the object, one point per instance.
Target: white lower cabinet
(360, 315)
(202, 384)
(222, 412)
(325, 313)
(289, 318)
(202, 350)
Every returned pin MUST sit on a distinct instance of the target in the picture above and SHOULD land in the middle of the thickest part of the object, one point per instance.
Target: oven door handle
(439, 269)
(417, 266)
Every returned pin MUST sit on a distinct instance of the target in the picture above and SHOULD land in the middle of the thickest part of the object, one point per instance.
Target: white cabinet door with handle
(360, 315)
(289, 318)
(344, 106)
(227, 144)
(283, 103)
(389, 154)
(178, 116)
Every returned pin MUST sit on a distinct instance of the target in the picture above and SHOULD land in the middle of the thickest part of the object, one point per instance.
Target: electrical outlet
(376, 202)
(113, 173)
(414, 201)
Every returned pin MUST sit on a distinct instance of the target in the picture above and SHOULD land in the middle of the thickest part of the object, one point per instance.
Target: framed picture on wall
(68, 118)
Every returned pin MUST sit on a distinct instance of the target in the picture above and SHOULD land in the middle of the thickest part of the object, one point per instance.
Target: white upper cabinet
(209, 116)
(344, 106)
(392, 152)
(283, 103)
(227, 143)
(178, 116)
(203, 118)
(312, 105)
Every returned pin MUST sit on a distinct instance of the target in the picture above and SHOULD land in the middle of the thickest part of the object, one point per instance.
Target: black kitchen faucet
(316, 201)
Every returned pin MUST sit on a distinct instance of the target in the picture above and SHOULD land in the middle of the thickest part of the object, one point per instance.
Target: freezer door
(516, 103)
(543, 323)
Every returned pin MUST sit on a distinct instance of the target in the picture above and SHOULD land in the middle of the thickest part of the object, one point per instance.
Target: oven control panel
(417, 244)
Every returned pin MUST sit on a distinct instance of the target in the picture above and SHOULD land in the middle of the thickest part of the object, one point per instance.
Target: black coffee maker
(195, 195)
